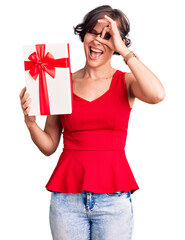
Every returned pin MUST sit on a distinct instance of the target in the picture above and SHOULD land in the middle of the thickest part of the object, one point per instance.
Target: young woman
(92, 183)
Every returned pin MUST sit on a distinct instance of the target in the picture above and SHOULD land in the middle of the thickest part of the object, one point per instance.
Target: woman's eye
(107, 36)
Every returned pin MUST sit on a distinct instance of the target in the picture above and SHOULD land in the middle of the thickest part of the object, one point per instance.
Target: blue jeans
(91, 216)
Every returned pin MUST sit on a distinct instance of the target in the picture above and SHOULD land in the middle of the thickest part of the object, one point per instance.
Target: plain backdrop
(155, 142)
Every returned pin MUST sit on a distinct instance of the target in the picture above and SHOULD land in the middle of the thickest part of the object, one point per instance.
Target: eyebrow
(96, 31)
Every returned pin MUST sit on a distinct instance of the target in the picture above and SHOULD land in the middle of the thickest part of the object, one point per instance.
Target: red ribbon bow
(39, 64)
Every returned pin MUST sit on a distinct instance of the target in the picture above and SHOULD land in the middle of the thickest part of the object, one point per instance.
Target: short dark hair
(90, 20)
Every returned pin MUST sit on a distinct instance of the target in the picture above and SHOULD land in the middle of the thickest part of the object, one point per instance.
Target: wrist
(124, 51)
(30, 124)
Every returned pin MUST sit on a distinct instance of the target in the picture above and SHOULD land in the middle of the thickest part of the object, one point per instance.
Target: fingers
(107, 20)
(109, 25)
(25, 101)
(103, 41)
(22, 93)
(26, 111)
(26, 104)
(103, 21)
(113, 28)
(25, 98)
(105, 30)
(110, 19)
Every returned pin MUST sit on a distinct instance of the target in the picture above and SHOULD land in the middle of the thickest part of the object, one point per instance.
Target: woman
(92, 183)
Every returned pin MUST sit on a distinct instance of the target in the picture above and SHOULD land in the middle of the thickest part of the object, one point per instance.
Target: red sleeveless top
(94, 137)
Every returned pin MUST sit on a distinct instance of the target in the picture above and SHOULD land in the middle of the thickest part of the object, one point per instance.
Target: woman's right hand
(25, 101)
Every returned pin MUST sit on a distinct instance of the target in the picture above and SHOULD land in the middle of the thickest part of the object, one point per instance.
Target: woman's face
(97, 54)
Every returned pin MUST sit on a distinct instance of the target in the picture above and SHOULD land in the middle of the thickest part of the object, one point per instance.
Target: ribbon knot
(39, 64)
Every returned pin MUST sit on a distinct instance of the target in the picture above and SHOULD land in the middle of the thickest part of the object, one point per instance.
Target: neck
(104, 71)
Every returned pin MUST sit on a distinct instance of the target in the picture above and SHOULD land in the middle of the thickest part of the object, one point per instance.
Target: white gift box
(48, 78)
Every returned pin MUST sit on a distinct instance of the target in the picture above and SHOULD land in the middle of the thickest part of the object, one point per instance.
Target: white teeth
(96, 50)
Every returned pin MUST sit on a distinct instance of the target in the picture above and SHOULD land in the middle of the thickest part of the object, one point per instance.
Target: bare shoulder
(129, 79)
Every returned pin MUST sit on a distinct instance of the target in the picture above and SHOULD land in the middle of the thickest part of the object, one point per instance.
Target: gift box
(48, 78)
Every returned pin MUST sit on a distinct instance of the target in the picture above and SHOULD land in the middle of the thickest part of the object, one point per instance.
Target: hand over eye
(112, 33)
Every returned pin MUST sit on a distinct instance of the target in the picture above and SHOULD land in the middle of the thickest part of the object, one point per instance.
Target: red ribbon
(39, 64)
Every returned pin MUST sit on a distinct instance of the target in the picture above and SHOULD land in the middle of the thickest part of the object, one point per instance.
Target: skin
(94, 80)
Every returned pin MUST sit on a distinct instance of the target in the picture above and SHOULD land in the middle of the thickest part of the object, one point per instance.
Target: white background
(156, 132)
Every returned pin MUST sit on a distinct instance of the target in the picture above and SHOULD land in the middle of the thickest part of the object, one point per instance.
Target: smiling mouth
(95, 53)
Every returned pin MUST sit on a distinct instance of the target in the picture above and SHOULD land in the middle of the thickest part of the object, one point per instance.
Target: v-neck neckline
(83, 99)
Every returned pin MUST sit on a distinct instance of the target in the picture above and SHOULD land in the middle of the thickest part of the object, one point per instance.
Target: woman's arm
(143, 83)
(48, 139)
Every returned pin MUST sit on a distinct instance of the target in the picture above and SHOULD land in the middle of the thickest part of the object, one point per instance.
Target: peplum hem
(75, 172)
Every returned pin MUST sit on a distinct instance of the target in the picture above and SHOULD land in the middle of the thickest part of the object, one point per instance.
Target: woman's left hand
(115, 42)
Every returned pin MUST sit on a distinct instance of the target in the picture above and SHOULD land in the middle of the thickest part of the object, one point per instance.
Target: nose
(96, 42)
